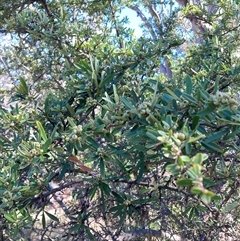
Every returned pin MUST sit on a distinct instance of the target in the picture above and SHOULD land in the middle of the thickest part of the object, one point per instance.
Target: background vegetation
(107, 136)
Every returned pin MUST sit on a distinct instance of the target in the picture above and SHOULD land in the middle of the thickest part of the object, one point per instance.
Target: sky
(134, 21)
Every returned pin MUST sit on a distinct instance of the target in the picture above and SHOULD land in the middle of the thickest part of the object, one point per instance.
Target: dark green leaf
(127, 102)
(195, 122)
(119, 198)
(23, 86)
(117, 208)
(43, 221)
(141, 201)
(216, 136)
(92, 191)
(188, 84)
(106, 189)
(107, 80)
(184, 182)
(102, 167)
(208, 110)
(92, 142)
(47, 144)
(54, 218)
(189, 98)
(213, 147)
(71, 110)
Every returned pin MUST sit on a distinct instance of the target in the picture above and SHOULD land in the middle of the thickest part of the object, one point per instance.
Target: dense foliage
(112, 137)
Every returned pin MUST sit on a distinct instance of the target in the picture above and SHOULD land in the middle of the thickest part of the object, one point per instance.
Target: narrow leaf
(188, 84)
(41, 131)
(43, 221)
(102, 167)
(54, 218)
(9, 218)
(47, 144)
(184, 182)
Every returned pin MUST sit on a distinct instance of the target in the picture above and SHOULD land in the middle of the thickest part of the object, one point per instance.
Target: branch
(165, 69)
(144, 19)
(155, 17)
(45, 6)
(115, 23)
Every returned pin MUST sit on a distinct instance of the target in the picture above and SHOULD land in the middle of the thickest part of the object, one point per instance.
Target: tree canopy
(109, 136)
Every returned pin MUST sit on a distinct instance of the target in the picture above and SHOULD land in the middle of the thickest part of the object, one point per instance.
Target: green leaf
(83, 66)
(195, 122)
(207, 111)
(188, 84)
(43, 221)
(134, 65)
(106, 189)
(189, 98)
(213, 147)
(51, 216)
(197, 190)
(188, 148)
(127, 103)
(216, 136)
(117, 208)
(23, 86)
(54, 131)
(195, 138)
(92, 191)
(173, 168)
(71, 122)
(194, 172)
(141, 201)
(184, 159)
(120, 164)
(208, 182)
(116, 96)
(199, 158)
(41, 131)
(75, 228)
(107, 80)
(153, 135)
(184, 182)
(9, 218)
(119, 198)
(102, 167)
(90, 235)
(229, 207)
(71, 110)
(47, 144)
(187, 210)
(93, 143)
(141, 167)
(206, 198)
(172, 94)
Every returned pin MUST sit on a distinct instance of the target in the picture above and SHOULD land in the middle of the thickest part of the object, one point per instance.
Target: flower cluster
(75, 134)
(91, 101)
(172, 143)
(144, 109)
(226, 99)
